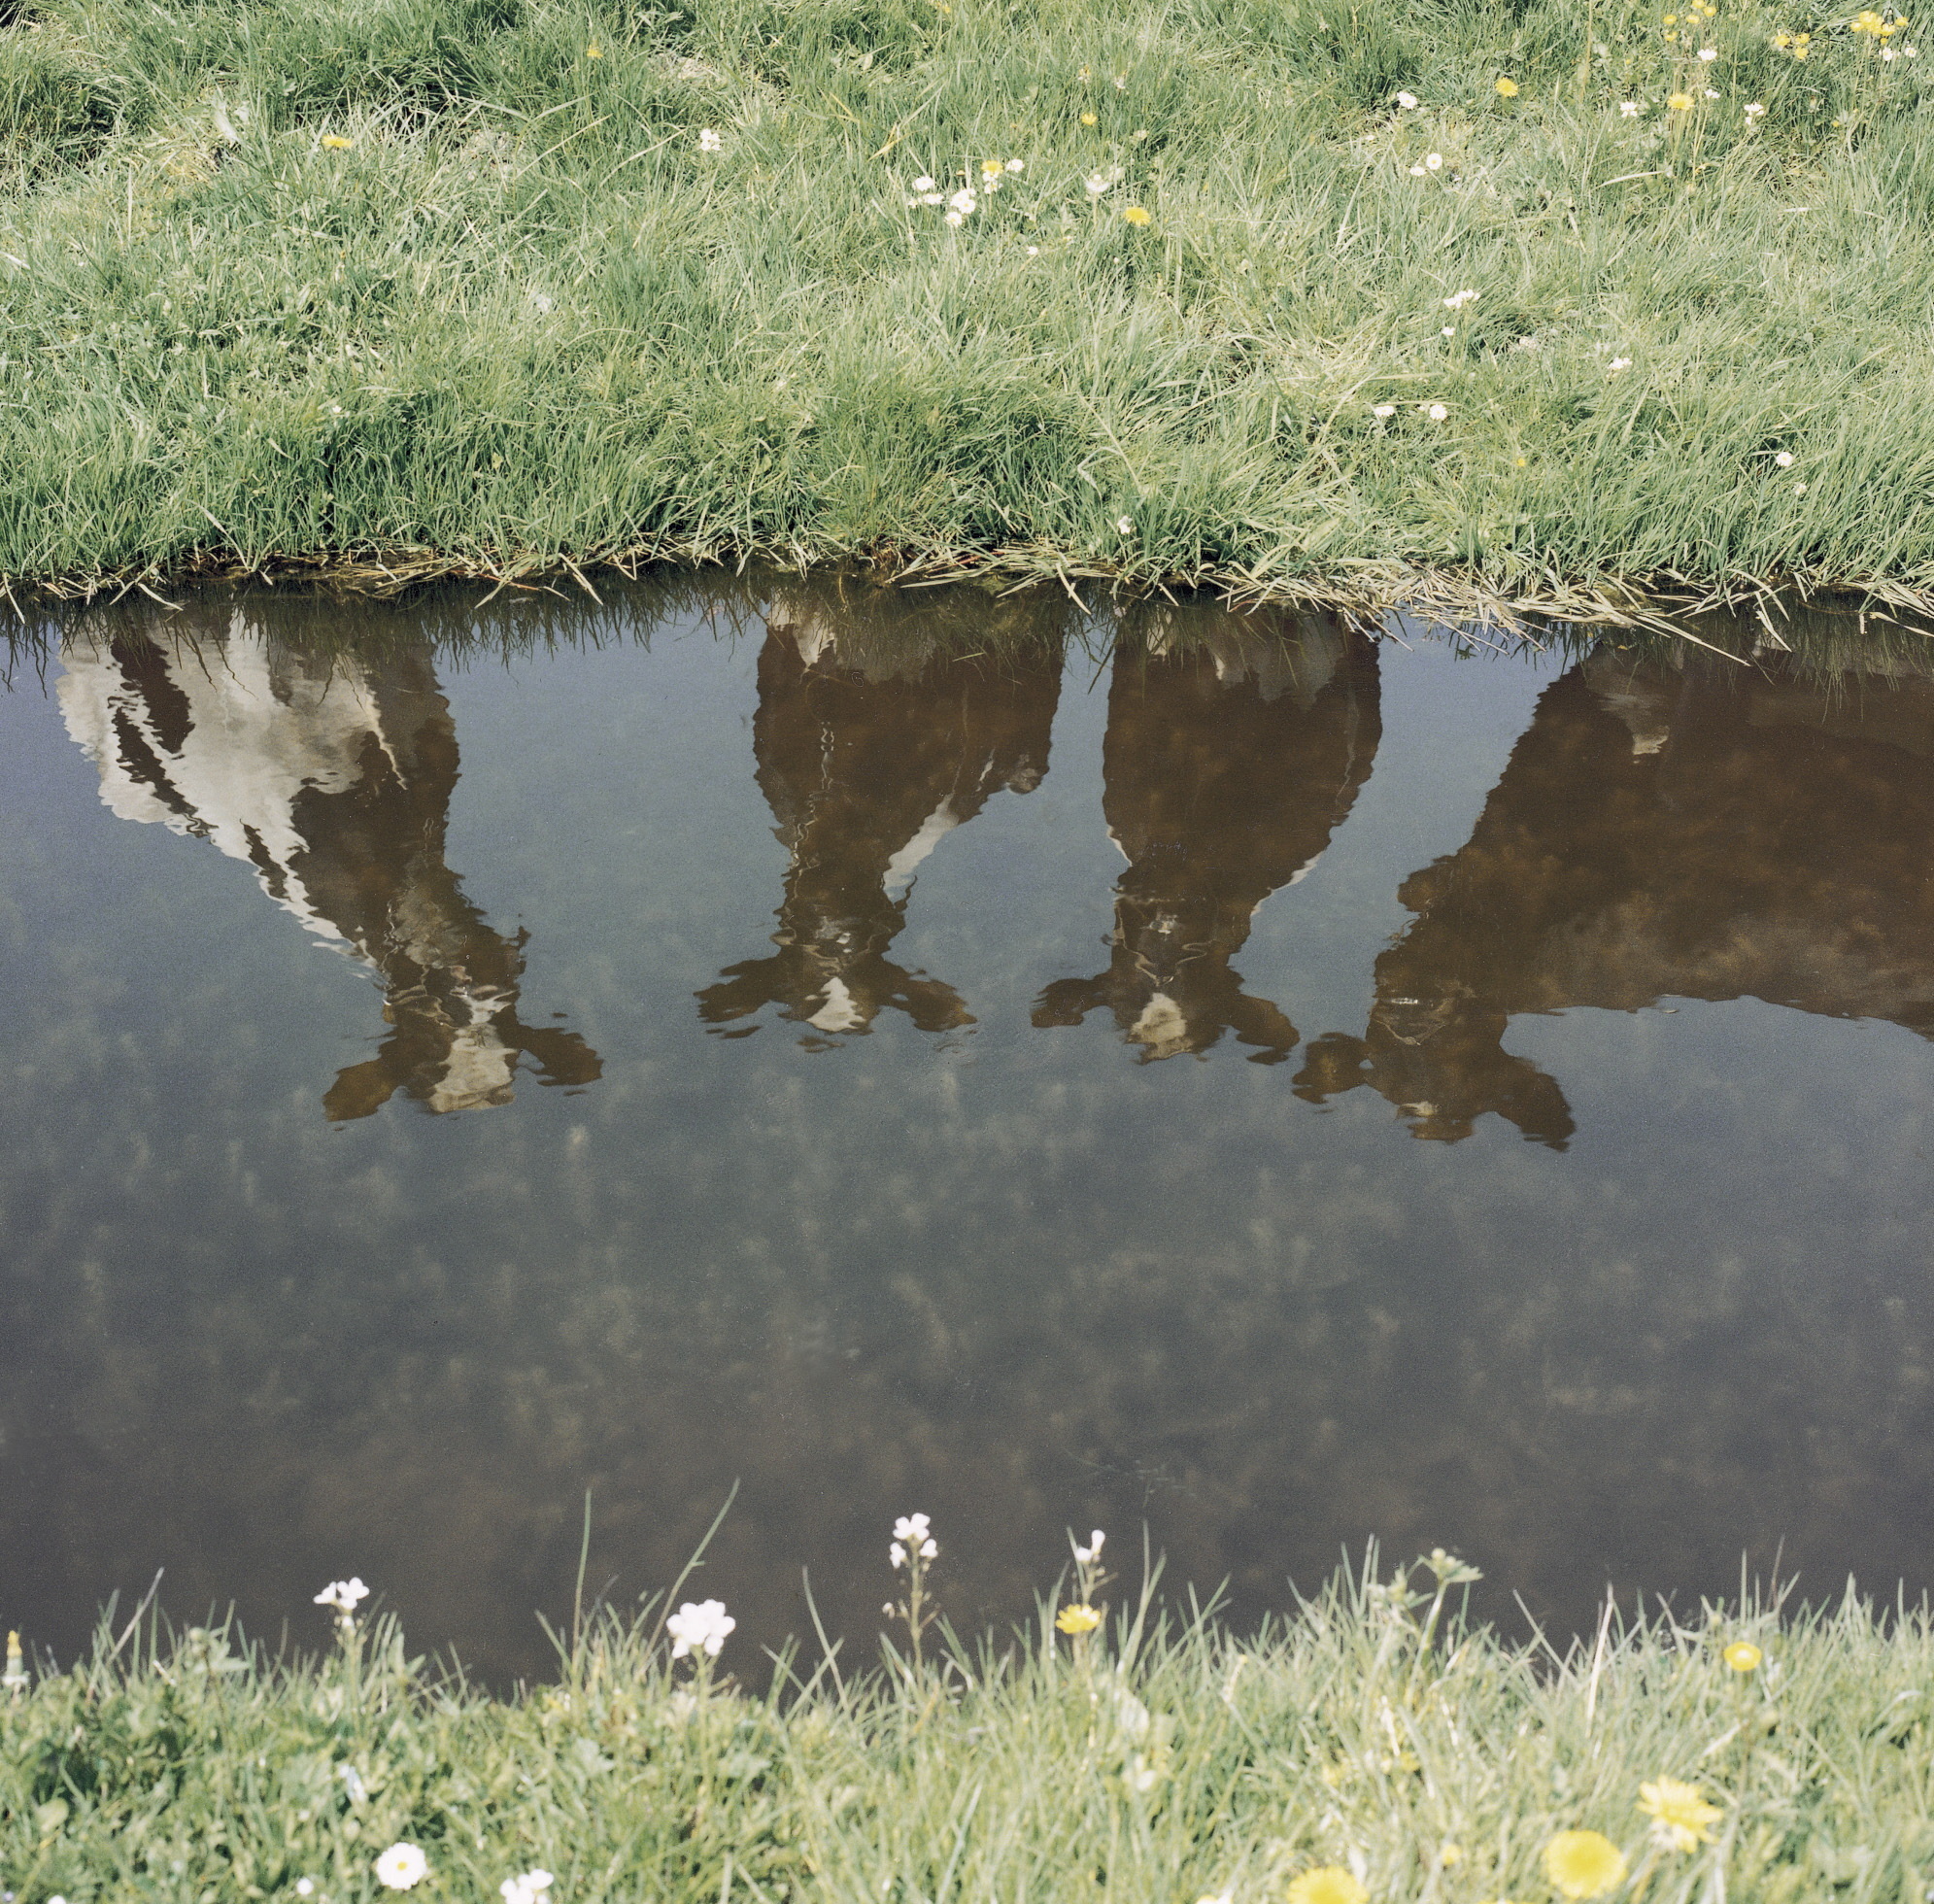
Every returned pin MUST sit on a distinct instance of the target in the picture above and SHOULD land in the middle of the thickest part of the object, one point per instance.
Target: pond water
(1231, 1075)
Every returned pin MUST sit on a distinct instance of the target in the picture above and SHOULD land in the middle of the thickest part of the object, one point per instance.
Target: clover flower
(1585, 1864)
(709, 141)
(699, 1626)
(1327, 1884)
(343, 1595)
(531, 1887)
(403, 1867)
(1742, 1656)
(1682, 1819)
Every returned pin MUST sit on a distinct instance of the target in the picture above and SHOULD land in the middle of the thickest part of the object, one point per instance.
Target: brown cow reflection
(332, 779)
(870, 754)
(1235, 748)
(1661, 832)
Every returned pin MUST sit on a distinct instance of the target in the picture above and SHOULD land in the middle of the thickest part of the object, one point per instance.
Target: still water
(1236, 1075)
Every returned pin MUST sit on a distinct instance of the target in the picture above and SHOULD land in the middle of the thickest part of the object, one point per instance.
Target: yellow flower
(1450, 1854)
(1680, 102)
(1077, 1619)
(1327, 1884)
(1742, 1656)
(1136, 215)
(1508, 89)
(991, 168)
(1682, 1820)
(1087, 118)
(594, 51)
(334, 141)
(1585, 1864)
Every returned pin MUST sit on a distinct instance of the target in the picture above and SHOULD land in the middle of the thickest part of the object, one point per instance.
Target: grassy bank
(497, 283)
(1370, 1737)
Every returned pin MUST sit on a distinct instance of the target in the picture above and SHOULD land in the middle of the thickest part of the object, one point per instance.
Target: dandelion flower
(1679, 102)
(1585, 1864)
(991, 168)
(699, 1626)
(1083, 1618)
(1088, 119)
(922, 183)
(1406, 101)
(1433, 161)
(1137, 214)
(1742, 1656)
(1437, 413)
(334, 141)
(1783, 459)
(1682, 1819)
(1327, 1884)
(401, 1867)
(1628, 107)
(1383, 412)
(1506, 88)
(709, 141)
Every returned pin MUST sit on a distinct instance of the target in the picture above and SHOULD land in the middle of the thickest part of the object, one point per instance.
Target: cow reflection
(1236, 746)
(1661, 832)
(332, 779)
(869, 751)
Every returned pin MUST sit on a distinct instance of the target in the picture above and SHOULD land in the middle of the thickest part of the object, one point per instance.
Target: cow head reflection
(870, 749)
(1236, 745)
(332, 779)
(1688, 828)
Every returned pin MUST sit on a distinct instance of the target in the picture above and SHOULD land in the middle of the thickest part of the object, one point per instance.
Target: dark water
(923, 1052)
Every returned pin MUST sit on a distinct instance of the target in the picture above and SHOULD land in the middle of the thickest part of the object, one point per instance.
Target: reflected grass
(1372, 1744)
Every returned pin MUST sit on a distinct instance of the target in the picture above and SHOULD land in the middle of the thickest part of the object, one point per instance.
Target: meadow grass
(1372, 1738)
(461, 284)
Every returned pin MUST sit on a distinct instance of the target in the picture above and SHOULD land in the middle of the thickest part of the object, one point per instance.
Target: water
(1270, 1086)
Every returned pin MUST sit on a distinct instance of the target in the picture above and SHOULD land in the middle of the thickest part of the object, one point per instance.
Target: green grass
(522, 318)
(1157, 1761)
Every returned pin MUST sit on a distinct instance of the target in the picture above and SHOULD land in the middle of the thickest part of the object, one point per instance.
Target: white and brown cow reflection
(1665, 827)
(332, 778)
(1236, 746)
(871, 747)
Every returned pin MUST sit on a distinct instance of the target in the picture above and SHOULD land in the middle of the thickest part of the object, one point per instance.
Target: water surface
(1232, 1075)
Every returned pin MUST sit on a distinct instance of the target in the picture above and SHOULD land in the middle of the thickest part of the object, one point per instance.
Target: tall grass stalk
(460, 284)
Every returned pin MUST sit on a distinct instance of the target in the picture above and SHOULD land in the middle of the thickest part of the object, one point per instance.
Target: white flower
(1709, 53)
(403, 1867)
(1628, 107)
(1016, 164)
(1888, 53)
(1437, 413)
(897, 1555)
(1799, 489)
(1710, 94)
(928, 1548)
(532, 1888)
(1450, 330)
(1621, 363)
(1457, 300)
(956, 219)
(1123, 525)
(1407, 100)
(931, 198)
(710, 142)
(305, 1886)
(1380, 410)
(1433, 161)
(963, 202)
(1097, 1540)
(1121, 81)
(1754, 111)
(699, 1626)
(1098, 182)
(912, 1527)
(343, 1595)
(1417, 171)
(922, 183)
(1784, 459)
(1034, 251)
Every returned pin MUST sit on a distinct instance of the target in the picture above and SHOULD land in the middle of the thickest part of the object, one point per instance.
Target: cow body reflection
(869, 751)
(1660, 832)
(332, 778)
(1235, 749)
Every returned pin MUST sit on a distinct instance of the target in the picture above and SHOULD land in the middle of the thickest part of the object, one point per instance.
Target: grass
(451, 285)
(1160, 1758)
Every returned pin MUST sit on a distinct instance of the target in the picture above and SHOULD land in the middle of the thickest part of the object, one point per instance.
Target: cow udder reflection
(1706, 833)
(332, 778)
(1236, 746)
(869, 759)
